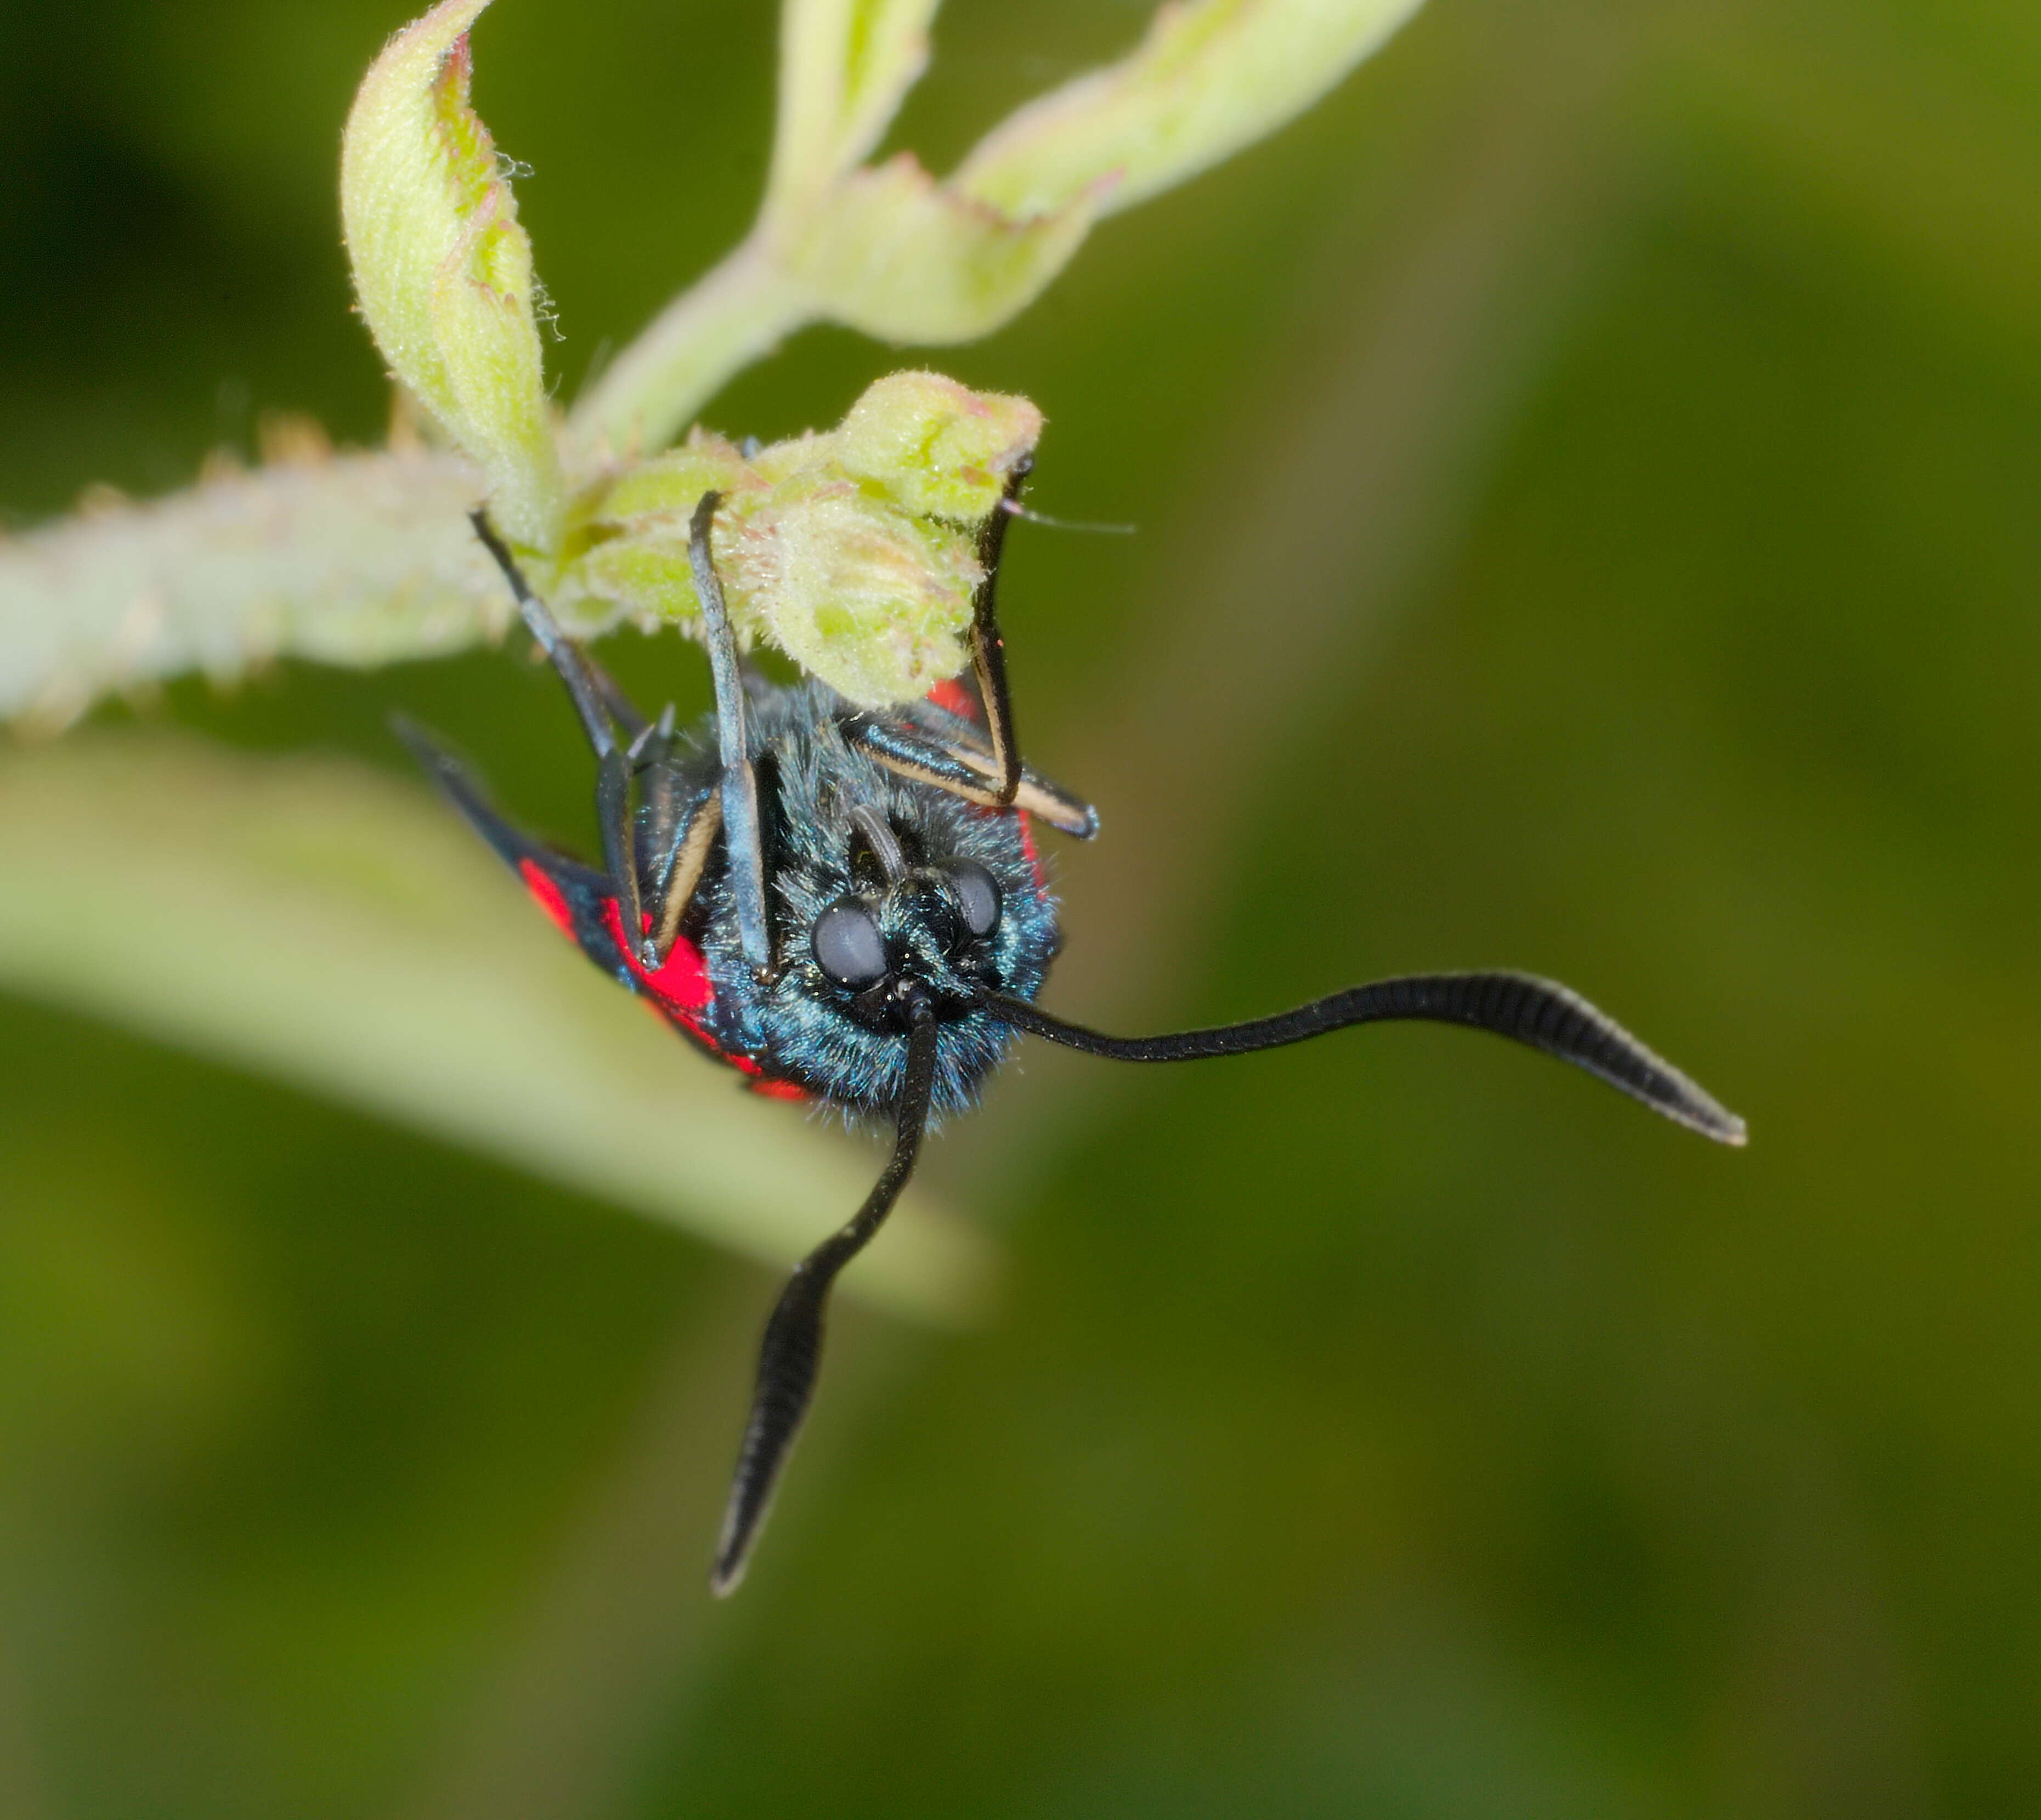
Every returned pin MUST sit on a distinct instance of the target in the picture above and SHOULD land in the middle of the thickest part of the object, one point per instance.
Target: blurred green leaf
(316, 921)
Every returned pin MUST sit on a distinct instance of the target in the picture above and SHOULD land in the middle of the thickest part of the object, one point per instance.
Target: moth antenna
(1541, 1013)
(791, 1350)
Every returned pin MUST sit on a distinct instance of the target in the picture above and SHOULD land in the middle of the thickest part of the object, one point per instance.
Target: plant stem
(737, 313)
(359, 559)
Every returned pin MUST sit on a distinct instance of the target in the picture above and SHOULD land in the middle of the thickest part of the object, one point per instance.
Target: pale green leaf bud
(443, 269)
(639, 558)
(856, 591)
(669, 486)
(853, 551)
(938, 447)
(1211, 77)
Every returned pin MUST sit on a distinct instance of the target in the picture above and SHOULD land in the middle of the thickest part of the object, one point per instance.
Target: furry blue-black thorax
(798, 1033)
(802, 1026)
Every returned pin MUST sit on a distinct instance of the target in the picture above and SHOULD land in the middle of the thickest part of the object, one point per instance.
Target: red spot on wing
(953, 698)
(546, 895)
(1033, 852)
(681, 983)
(680, 989)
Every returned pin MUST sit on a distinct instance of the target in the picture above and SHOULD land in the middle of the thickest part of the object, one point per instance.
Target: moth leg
(743, 835)
(673, 870)
(988, 649)
(593, 699)
(966, 772)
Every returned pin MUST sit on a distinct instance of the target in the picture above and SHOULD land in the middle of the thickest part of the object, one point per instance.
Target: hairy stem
(359, 559)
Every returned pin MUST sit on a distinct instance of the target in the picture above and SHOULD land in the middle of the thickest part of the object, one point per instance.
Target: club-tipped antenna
(791, 1350)
(1541, 1013)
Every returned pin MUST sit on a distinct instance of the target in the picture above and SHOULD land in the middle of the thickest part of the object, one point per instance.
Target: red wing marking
(681, 982)
(547, 894)
(681, 989)
(953, 698)
(1034, 853)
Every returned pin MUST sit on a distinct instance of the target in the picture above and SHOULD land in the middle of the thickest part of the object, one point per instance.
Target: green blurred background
(1586, 474)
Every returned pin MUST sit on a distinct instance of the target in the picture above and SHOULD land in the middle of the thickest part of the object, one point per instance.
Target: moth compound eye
(977, 895)
(848, 945)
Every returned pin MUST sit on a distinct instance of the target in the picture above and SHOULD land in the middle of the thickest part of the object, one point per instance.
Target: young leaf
(853, 550)
(904, 258)
(1210, 78)
(845, 66)
(443, 269)
(855, 591)
(940, 449)
(894, 252)
(353, 564)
